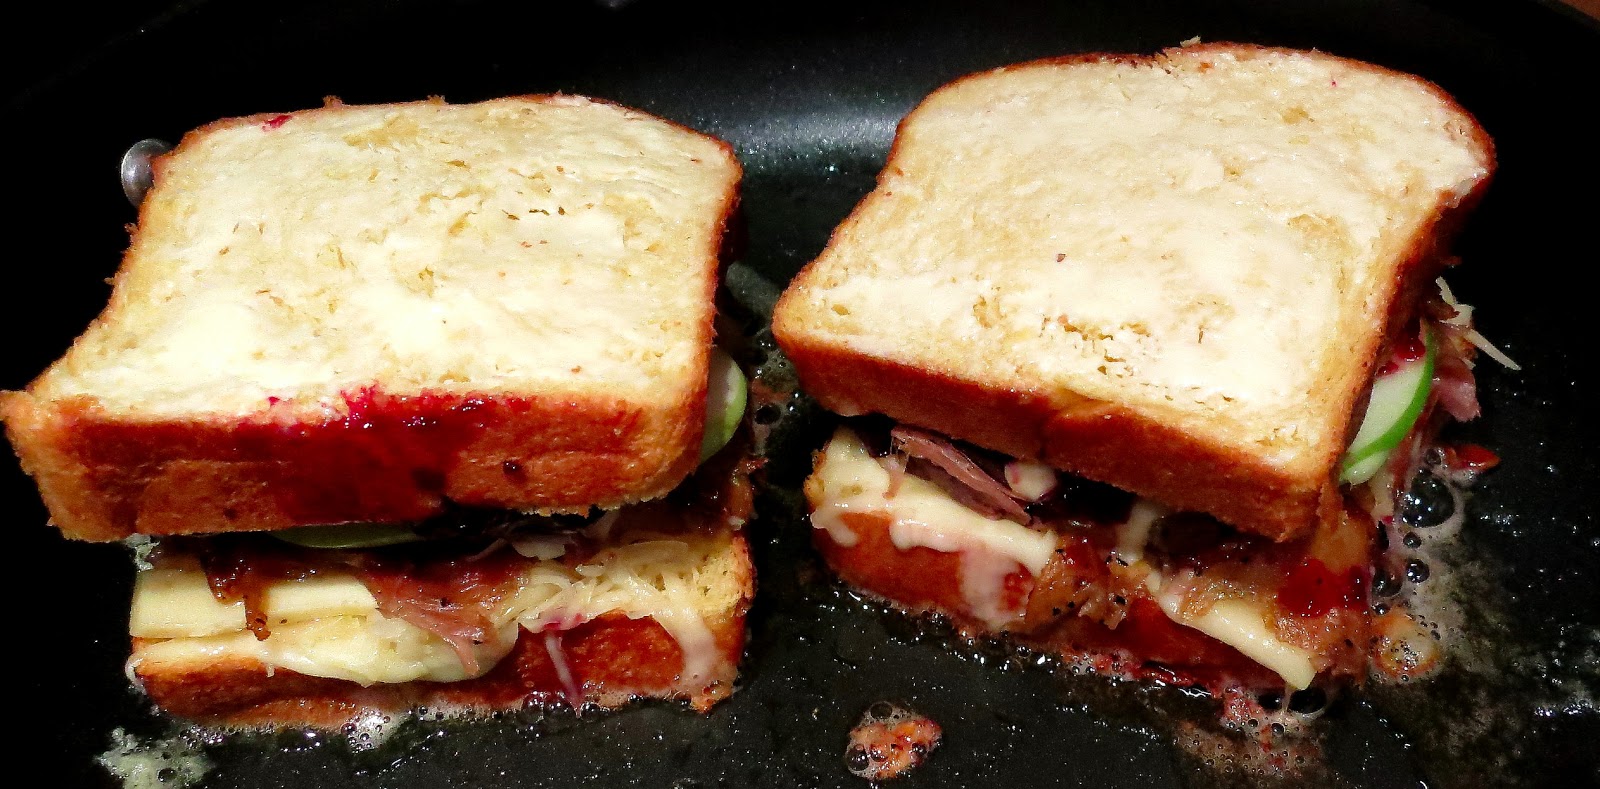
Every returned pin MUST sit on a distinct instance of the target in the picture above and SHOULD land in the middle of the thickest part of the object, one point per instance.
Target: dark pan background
(809, 94)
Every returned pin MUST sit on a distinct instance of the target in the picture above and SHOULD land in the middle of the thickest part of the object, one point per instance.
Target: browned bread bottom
(613, 659)
(1142, 642)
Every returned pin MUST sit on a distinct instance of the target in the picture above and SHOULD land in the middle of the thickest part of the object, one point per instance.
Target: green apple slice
(1396, 402)
(348, 535)
(727, 391)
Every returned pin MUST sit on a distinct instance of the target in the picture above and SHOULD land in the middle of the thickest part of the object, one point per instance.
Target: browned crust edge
(105, 479)
(1103, 441)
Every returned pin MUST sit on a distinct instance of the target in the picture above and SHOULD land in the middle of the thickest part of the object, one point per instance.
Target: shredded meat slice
(450, 599)
(1452, 374)
(939, 451)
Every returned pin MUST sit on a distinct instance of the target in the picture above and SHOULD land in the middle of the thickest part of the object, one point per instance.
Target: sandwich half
(413, 400)
(1124, 315)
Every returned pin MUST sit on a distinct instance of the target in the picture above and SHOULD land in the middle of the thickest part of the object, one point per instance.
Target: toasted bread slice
(1172, 274)
(366, 312)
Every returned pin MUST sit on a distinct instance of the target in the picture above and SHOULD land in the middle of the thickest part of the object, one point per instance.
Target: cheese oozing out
(923, 515)
(1241, 624)
(329, 625)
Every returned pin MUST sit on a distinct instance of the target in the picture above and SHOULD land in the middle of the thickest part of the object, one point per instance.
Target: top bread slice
(364, 313)
(1170, 273)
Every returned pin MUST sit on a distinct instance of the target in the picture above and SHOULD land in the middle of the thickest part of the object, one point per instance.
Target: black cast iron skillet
(809, 95)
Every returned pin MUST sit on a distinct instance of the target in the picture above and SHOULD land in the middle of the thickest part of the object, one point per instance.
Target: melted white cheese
(176, 602)
(366, 650)
(1030, 479)
(1134, 534)
(1242, 624)
(848, 479)
(558, 659)
(329, 625)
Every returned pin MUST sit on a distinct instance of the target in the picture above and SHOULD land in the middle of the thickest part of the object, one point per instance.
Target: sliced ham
(943, 454)
(449, 599)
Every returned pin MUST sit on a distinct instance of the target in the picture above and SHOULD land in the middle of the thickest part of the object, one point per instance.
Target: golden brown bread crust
(1107, 442)
(105, 477)
(614, 659)
(1100, 441)
(400, 459)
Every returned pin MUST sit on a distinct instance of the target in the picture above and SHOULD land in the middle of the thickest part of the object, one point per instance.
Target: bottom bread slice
(562, 618)
(1096, 575)
(613, 660)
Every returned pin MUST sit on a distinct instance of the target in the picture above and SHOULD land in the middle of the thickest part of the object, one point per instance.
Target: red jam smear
(387, 458)
(1407, 349)
(1312, 590)
(1469, 457)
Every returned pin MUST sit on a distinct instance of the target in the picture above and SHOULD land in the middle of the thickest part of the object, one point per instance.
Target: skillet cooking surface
(809, 95)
